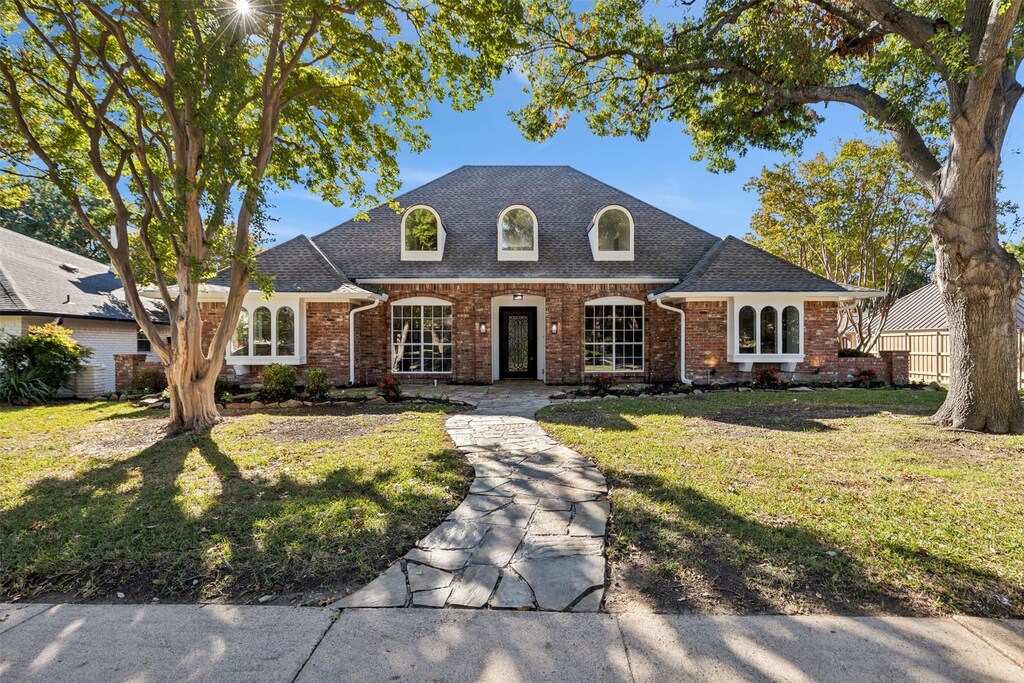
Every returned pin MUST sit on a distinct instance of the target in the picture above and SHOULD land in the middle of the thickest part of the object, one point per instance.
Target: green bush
(390, 388)
(855, 353)
(149, 381)
(278, 382)
(318, 383)
(22, 386)
(601, 384)
(765, 378)
(49, 350)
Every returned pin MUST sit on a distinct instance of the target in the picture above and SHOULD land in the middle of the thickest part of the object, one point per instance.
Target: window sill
(264, 360)
(788, 361)
(638, 371)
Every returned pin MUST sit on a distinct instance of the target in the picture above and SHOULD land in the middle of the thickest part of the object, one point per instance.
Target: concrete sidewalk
(251, 643)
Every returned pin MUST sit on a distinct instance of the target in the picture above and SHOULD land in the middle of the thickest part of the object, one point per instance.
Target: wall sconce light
(713, 371)
(817, 371)
(483, 328)
(517, 297)
(554, 328)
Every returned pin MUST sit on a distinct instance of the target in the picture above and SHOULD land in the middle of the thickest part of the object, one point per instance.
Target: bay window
(767, 330)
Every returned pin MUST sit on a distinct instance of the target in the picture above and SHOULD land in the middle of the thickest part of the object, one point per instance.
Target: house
(917, 325)
(40, 283)
(532, 272)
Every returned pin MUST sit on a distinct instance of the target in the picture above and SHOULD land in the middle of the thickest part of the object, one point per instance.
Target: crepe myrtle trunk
(979, 282)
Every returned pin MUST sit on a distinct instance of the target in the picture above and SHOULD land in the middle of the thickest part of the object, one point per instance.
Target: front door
(517, 343)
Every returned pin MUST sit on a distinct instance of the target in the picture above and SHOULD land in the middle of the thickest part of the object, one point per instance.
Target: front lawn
(831, 501)
(95, 502)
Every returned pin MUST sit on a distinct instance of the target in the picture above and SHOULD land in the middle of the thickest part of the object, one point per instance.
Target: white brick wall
(105, 338)
(10, 324)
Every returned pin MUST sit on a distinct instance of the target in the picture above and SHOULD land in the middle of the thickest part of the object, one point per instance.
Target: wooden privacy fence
(929, 353)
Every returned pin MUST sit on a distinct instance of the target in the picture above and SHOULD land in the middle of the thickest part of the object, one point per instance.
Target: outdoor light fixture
(554, 328)
(483, 328)
(517, 297)
(817, 370)
(713, 371)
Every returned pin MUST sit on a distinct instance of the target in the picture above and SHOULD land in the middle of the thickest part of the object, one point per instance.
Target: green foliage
(855, 353)
(766, 378)
(49, 350)
(601, 384)
(318, 383)
(37, 209)
(23, 386)
(149, 381)
(858, 217)
(278, 382)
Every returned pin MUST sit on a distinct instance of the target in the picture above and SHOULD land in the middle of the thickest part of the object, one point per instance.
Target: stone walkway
(531, 533)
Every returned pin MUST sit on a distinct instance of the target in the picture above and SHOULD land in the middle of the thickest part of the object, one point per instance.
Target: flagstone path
(530, 534)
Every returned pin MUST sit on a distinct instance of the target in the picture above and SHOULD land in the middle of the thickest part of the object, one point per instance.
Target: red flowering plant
(765, 378)
(866, 377)
(390, 388)
(601, 384)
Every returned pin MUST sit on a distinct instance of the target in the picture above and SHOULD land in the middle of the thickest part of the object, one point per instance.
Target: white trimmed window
(423, 234)
(613, 335)
(268, 334)
(421, 336)
(768, 331)
(517, 234)
(611, 234)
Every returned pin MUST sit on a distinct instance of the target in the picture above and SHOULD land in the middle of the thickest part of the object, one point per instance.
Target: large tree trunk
(979, 282)
(193, 407)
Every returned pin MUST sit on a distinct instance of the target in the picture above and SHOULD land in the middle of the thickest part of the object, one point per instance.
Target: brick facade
(327, 342)
(127, 365)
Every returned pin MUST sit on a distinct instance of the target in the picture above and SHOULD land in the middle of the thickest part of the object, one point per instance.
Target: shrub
(601, 384)
(765, 378)
(49, 350)
(149, 381)
(223, 385)
(866, 376)
(390, 388)
(855, 353)
(278, 382)
(22, 386)
(318, 383)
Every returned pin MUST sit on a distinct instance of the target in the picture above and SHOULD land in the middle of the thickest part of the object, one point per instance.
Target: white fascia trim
(515, 280)
(305, 296)
(807, 296)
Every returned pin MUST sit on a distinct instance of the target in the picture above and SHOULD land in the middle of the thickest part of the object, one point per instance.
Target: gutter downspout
(352, 338)
(682, 339)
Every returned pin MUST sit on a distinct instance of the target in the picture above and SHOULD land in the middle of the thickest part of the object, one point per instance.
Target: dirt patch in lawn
(117, 437)
(328, 427)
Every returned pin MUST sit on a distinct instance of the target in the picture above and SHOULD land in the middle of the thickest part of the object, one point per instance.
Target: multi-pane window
(421, 338)
(142, 344)
(613, 338)
(614, 231)
(269, 333)
(767, 331)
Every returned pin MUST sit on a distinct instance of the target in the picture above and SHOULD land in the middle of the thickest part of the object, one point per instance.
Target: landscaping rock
(237, 406)
(256, 405)
(291, 403)
(799, 389)
(376, 400)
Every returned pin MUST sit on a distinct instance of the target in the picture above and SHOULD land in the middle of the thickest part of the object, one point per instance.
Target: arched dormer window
(518, 237)
(423, 234)
(612, 234)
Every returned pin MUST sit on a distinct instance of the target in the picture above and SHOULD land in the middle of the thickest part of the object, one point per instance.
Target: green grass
(832, 501)
(94, 501)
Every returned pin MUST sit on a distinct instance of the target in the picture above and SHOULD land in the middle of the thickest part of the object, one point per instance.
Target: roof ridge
(343, 280)
(704, 263)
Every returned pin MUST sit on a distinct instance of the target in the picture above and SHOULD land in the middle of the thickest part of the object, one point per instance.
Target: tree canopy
(177, 117)
(37, 209)
(858, 217)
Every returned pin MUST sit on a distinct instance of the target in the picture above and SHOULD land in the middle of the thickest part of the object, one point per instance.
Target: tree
(858, 218)
(939, 76)
(178, 116)
(37, 209)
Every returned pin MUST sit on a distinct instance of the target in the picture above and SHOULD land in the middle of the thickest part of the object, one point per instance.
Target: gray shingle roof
(469, 201)
(298, 266)
(32, 280)
(922, 309)
(732, 265)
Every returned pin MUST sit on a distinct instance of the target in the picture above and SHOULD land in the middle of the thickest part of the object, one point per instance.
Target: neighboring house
(917, 324)
(40, 283)
(533, 272)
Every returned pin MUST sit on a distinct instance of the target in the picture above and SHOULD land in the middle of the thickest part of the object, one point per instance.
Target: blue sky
(658, 170)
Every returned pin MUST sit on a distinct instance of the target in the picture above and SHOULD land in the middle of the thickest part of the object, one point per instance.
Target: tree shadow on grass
(126, 526)
(686, 552)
